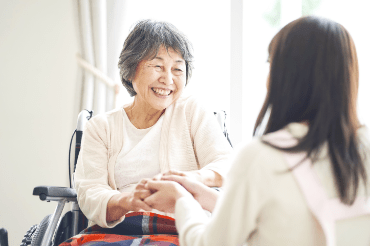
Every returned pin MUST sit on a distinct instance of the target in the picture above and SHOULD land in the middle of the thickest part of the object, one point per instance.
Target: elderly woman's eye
(177, 71)
(158, 68)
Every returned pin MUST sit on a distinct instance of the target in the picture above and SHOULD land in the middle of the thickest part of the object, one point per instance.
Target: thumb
(176, 172)
(179, 179)
(154, 185)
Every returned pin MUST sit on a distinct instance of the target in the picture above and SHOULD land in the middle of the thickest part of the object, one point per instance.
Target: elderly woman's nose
(167, 77)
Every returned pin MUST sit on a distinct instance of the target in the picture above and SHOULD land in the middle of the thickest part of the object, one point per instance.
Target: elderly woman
(160, 131)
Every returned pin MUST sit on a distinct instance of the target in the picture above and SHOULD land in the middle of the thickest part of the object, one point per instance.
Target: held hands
(119, 204)
(204, 195)
(136, 198)
(165, 188)
(165, 195)
(168, 187)
(160, 193)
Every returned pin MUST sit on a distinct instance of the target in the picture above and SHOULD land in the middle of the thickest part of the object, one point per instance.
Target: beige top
(190, 140)
(139, 157)
(261, 205)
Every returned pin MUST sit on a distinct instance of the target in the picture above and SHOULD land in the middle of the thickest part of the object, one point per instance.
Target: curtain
(99, 26)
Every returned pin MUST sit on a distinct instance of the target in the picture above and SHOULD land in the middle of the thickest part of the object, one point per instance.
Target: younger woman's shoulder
(257, 154)
(251, 149)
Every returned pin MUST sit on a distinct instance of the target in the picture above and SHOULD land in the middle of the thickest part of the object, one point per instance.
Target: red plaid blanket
(138, 228)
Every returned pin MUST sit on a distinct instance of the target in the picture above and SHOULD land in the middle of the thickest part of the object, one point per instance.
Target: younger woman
(304, 181)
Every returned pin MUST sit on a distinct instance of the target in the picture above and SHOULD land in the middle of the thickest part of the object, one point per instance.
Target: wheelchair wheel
(39, 233)
(27, 239)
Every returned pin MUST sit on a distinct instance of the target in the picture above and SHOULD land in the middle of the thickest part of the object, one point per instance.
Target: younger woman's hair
(314, 79)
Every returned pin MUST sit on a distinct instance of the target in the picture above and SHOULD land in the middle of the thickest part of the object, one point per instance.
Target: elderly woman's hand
(165, 195)
(121, 204)
(194, 175)
(137, 196)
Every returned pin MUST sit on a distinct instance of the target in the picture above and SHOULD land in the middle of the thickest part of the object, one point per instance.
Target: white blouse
(139, 156)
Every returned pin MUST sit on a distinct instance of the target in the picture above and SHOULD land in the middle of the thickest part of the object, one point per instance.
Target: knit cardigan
(191, 139)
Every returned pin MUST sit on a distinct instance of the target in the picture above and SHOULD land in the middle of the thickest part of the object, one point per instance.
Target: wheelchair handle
(3, 237)
(82, 119)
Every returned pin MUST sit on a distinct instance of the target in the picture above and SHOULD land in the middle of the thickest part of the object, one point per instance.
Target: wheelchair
(53, 230)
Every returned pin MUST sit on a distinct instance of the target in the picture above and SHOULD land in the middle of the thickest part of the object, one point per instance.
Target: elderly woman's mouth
(162, 92)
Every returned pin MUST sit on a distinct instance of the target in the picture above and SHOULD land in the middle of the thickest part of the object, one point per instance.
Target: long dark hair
(314, 79)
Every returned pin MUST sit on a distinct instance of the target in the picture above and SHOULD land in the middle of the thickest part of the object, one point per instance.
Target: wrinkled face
(160, 81)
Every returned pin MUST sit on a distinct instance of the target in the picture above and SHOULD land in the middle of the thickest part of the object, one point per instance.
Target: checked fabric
(138, 228)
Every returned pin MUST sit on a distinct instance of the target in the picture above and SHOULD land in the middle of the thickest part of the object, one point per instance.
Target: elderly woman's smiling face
(160, 82)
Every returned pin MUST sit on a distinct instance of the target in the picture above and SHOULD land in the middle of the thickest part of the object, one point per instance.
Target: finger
(153, 185)
(149, 200)
(139, 204)
(166, 173)
(143, 181)
(140, 186)
(157, 177)
(152, 200)
(144, 194)
(175, 178)
(176, 172)
(156, 185)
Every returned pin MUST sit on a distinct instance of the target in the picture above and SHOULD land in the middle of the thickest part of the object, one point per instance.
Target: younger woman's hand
(193, 186)
(194, 175)
(164, 195)
(208, 177)
(206, 196)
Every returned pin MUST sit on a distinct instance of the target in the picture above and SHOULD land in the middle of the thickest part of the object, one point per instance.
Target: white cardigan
(262, 204)
(191, 139)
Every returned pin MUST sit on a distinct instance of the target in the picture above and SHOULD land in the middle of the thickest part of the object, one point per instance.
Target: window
(263, 19)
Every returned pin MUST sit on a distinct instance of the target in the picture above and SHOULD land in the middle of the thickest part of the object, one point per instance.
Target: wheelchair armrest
(55, 193)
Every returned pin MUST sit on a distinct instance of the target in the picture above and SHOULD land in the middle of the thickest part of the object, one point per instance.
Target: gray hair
(144, 42)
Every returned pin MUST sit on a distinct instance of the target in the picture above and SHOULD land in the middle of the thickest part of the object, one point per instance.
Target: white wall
(37, 97)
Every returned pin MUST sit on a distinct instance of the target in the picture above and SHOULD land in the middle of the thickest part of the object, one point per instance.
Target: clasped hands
(162, 191)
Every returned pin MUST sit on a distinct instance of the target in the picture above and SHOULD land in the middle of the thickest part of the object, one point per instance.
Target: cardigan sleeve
(236, 212)
(210, 145)
(91, 176)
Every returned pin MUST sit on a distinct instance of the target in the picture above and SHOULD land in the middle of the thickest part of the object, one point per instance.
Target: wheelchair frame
(63, 194)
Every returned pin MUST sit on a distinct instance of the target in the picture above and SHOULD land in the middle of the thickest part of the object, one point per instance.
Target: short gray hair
(144, 42)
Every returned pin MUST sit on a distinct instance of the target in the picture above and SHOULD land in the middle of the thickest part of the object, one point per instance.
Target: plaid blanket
(138, 228)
